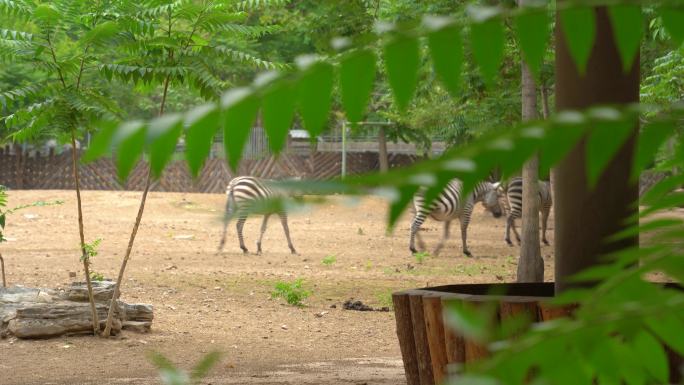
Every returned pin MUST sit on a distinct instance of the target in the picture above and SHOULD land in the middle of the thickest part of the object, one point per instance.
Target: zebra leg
(515, 232)
(445, 237)
(418, 220)
(509, 220)
(226, 220)
(240, 225)
(283, 221)
(545, 219)
(464, 236)
(261, 234)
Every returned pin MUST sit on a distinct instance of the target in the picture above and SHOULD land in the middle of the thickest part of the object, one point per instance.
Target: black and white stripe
(243, 192)
(450, 205)
(514, 192)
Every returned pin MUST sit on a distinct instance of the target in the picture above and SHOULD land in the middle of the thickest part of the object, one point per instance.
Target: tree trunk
(530, 264)
(129, 249)
(2, 266)
(382, 150)
(84, 254)
(584, 217)
(545, 102)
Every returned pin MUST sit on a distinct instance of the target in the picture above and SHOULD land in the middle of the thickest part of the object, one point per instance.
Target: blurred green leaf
(278, 109)
(315, 90)
(474, 323)
(129, 143)
(240, 107)
(487, 43)
(628, 28)
(652, 356)
(668, 328)
(605, 139)
(673, 20)
(397, 205)
(102, 141)
(651, 137)
(162, 135)
(532, 26)
(202, 125)
(357, 78)
(446, 49)
(402, 60)
(579, 28)
(202, 368)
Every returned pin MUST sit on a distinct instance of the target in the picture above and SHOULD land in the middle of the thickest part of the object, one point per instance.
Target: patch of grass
(292, 292)
(329, 260)
(369, 265)
(360, 231)
(421, 256)
(97, 277)
(385, 299)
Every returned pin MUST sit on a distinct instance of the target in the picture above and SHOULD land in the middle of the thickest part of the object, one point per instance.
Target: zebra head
(491, 199)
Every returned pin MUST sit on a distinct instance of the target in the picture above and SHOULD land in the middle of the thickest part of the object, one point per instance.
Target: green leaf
(562, 137)
(652, 355)
(100, 33)
(47, 14)
(162, 135)
(101, 142)
(202, 123)
(487, 44)
(650, 139)
(446, 49)
(399, 203)
(314, 91)
(673, 20)
(357, 78)
(402, 60)
(278, 109)
(605, 139)
(579, 28)
(240, 107)
(129, 142)
(202, 368)
(532, 26)
(668, 328)
(628, 28)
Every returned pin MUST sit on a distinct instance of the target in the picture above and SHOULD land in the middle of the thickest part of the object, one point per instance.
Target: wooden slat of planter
(548, 312)
(402, 314)
(420, 338)
(512, 309)
(434, 325)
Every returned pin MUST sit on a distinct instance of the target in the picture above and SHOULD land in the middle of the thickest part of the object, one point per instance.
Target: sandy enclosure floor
(206, 301)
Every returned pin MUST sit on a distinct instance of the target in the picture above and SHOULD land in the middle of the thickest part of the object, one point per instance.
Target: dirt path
(206, 301)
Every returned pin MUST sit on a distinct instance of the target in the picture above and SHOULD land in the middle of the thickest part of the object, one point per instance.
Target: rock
(137, 326)
(184, 237)
(102, 291)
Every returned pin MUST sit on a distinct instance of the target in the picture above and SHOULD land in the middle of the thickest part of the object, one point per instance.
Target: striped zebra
(243, 192)
(449, 205)
(514, 192)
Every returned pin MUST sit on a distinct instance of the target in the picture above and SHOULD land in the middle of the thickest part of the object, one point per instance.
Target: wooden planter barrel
(429, 349)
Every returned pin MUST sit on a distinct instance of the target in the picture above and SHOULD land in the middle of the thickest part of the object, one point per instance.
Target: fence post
(344, 149)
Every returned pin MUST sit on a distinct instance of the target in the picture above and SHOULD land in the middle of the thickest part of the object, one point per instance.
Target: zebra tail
(227, 216)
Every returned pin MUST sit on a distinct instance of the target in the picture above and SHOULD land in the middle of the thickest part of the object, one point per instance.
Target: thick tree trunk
(81, 232)
(545, 101)
(584, 217)
(530, 264)
(382, 150)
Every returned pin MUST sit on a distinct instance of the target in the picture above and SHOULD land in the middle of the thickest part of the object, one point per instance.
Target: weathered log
(432, 308)
(55, 319)
(402, 314)
(420, 338)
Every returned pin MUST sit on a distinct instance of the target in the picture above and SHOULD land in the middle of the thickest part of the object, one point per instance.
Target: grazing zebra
(449, 205)
(514, 207)
(243, 192)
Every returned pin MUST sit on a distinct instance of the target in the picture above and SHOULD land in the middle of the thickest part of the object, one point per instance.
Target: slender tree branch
(54, 59)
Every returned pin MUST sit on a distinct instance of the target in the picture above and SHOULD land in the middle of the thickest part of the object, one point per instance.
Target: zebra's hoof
(413, 250)
(245, 251)
(294, 252)
(545, 242)
(468, 253)
(509, 242)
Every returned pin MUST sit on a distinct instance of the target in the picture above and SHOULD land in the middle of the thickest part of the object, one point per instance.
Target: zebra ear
(496, 185)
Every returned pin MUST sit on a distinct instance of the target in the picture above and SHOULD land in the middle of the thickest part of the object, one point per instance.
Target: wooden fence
(54, 171)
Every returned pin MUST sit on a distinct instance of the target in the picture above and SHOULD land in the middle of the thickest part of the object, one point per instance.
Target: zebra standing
(514, 193)
(243, 192)
(450, 205)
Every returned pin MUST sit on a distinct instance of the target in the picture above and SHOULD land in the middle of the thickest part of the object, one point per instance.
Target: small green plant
(360, 231)
(91, 248)
(95, 276)
(292, 292)
(369, 265)
(385, 299)
(172, 375)
(329, 260)
(421, 256)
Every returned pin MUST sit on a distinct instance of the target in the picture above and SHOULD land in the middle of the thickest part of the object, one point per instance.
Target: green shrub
(292, 292)
(329, 260)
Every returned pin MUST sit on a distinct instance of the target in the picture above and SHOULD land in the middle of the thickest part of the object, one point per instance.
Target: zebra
(514, 207)
(449, 205)
(243, 192)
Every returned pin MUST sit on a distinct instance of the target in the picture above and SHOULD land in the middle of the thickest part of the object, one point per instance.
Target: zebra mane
(481, 189)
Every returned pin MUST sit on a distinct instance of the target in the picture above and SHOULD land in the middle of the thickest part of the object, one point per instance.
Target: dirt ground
(206, 301)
